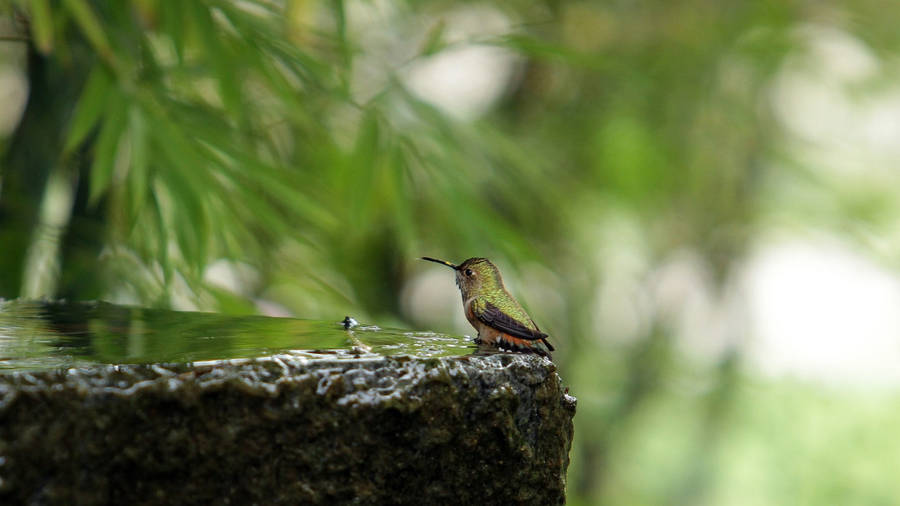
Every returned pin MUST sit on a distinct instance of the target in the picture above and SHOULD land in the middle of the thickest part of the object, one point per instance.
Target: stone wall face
(492, 429)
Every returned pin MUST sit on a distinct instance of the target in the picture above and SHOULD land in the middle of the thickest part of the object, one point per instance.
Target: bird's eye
(469, 272)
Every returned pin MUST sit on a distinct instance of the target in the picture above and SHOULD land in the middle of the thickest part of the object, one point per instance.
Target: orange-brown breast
(490, 335)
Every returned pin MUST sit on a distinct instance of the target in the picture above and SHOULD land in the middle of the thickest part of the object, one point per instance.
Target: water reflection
(42, 335)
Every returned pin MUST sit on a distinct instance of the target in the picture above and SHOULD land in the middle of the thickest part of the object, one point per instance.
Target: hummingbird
(495, 314)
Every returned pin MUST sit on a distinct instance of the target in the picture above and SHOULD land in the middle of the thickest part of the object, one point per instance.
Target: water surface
(48, 335)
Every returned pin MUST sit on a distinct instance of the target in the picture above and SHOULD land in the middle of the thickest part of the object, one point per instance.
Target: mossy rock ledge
(283, 429)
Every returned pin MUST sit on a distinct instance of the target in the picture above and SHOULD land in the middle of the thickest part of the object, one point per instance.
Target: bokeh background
(698, 200)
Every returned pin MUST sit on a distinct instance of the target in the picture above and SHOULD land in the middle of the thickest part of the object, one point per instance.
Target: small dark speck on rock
(349, 322)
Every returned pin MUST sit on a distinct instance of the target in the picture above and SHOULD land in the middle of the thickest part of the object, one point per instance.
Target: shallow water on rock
(36, 335)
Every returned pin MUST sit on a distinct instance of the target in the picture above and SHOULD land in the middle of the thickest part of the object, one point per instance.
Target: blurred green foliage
(282, 139)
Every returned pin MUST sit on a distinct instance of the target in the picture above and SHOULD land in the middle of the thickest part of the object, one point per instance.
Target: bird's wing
(492, 316)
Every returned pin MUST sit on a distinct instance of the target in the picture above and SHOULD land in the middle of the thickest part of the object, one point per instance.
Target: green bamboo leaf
(161, 233)
(184, 174)
(192, 231)
(271, 182)
(189, 229)
(434, 41)
(211, 38)
(91, 27)
(341, 29)
(42, 25)
(107, 148)
(249, 173)
(398, 190)
(363, 166)
(89, 108)
(137, 181)
(172, 20)
(254, 208)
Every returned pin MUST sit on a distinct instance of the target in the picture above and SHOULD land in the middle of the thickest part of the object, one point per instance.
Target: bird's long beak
(444, 262)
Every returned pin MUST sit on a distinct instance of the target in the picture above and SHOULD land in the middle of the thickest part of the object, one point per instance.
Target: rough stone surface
(492, 429)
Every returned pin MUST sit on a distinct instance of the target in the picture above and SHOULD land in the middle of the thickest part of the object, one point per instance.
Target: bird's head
(474, 276)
